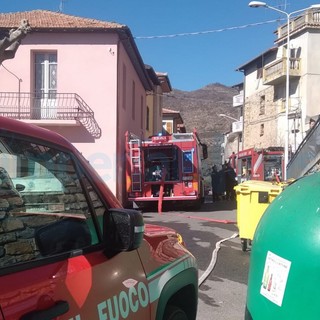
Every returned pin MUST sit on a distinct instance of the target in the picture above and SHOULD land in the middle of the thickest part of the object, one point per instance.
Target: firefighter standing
(215, 180)
(231, 182)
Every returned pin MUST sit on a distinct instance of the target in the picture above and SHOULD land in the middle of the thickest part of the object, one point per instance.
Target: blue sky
(219, 35)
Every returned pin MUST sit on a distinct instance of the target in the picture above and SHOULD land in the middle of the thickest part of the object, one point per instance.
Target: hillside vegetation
(200, 109)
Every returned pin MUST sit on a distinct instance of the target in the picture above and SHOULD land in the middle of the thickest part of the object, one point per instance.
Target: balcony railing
(310, 19)
(50, 106)
(276, 72)
(237, 126)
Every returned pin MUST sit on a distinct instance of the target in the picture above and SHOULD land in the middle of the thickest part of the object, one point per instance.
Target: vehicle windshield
(161, 160)
(272, 167)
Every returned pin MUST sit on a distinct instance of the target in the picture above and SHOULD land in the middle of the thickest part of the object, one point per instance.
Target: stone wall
(253, 119)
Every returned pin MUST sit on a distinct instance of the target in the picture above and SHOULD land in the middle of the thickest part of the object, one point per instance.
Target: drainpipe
(19, 89)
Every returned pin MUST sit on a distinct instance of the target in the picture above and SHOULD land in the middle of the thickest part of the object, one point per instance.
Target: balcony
(59, 108)
(275, 72)
(311, 19)
(238, 99)
(237, 126)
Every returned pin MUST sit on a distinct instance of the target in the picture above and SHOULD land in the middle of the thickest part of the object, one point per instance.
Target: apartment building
(264, 115)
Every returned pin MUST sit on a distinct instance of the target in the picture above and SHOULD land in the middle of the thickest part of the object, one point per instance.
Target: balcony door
(45, 106)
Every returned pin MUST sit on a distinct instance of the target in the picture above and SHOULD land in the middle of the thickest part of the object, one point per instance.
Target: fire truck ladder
(135, 158)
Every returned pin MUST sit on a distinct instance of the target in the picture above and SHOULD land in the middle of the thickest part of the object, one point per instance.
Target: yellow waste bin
(253, 197)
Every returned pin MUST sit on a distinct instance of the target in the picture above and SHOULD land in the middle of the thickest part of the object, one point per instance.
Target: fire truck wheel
(174, 313)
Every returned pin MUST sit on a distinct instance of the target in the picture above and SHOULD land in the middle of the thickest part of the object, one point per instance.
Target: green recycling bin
(284, 274)
(253, 197)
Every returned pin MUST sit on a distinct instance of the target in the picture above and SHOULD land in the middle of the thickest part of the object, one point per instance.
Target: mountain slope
(200, 109)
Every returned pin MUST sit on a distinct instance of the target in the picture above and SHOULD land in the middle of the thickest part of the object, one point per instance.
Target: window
(261, 130)
(133, 100)
(160, 106)
(159, 159)
(259, 70)
(167, 126)
(187, 161)
(272, 167)
(46, 74)
(45, 106)
(262, 105)
(124, 86)
(142, 113)
(147, 118)
(47, 207)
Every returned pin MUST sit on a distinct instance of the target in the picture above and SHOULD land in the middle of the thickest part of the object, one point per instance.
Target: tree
(9, 44)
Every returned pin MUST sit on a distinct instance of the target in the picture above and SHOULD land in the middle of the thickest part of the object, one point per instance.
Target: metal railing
(49, 106)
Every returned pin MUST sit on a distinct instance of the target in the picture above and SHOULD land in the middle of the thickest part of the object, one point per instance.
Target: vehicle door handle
(58, 309)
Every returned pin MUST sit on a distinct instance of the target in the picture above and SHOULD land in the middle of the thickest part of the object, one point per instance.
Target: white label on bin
(274, 279)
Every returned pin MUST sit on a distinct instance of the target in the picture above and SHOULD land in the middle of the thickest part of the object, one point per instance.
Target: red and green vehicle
(69, 251)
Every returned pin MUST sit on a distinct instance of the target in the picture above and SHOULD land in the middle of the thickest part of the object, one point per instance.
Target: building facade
(265, 119)
(233, 139)
(154, 111)
(172, 122)
(82, 78)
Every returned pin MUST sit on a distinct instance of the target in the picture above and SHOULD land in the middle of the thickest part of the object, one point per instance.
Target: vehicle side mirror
(123, 230)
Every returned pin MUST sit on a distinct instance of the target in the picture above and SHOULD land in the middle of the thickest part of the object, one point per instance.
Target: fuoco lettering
(124, 303)
(77, 317)
(113, 309)
(101, 307)
(134, 305)
(143, 289)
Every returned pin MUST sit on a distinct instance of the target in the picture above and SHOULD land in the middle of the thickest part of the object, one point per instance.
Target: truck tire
(174, 313)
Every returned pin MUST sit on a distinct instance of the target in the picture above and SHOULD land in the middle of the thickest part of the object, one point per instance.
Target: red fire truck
(165, 168)
(258, 164)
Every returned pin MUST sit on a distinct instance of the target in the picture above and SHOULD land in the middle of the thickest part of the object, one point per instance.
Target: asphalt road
(222, 295)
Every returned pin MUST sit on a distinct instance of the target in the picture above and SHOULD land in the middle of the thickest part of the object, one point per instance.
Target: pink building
(82, 78)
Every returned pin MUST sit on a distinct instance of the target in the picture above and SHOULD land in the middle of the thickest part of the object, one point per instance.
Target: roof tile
(43, 19)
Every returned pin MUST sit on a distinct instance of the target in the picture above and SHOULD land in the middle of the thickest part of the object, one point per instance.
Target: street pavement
(222, 294)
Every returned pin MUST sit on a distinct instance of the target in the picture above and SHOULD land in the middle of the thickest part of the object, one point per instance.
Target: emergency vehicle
(165, 168)
(265, 164)
(69, 251)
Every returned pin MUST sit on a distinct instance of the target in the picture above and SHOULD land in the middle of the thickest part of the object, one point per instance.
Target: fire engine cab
(258, 164)
(165, 168)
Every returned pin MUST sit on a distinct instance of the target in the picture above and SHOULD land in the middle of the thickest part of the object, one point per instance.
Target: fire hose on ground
(213, 261)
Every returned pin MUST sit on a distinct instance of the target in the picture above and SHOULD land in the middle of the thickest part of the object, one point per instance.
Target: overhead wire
(185, 34)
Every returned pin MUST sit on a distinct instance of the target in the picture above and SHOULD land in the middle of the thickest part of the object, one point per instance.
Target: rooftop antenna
(283, 5)
(61, 5)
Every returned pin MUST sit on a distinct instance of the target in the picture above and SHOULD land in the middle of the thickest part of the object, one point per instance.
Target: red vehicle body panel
(166, 167)
(258, 164)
